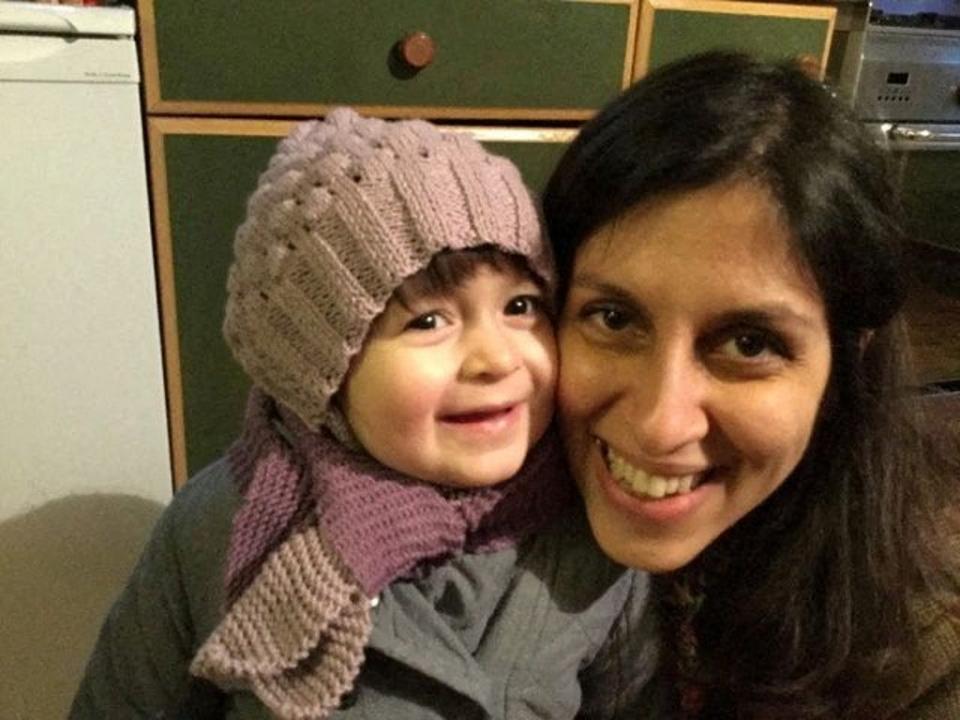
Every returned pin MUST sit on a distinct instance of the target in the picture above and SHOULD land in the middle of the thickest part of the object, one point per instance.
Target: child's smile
(454, 388)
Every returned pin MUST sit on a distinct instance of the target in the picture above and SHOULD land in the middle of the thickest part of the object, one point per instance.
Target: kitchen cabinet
(225, 80)
(671, 29)
(504, 59)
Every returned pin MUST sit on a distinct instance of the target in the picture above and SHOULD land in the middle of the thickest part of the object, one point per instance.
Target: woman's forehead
(738, 218)
(724, 240)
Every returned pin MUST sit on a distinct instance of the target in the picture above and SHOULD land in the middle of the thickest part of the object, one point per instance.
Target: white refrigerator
(82, 408)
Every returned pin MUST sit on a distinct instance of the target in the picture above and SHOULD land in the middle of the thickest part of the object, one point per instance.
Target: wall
(61, 563)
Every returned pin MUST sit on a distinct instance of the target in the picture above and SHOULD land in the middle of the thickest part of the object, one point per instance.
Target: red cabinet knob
(417, 50)
(809, 64)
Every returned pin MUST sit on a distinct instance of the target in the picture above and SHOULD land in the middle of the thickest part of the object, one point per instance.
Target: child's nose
(490, 352)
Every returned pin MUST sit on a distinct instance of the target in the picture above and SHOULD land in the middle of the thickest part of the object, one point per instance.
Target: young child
(393, 535)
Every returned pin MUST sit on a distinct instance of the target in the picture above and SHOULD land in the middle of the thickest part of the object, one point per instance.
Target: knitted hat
(348, 208)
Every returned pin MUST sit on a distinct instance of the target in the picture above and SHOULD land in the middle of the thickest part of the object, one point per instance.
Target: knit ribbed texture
(300, 572)
(348, 208)
(384, 524)
(381, 522)
(275, 490)
(296, 636)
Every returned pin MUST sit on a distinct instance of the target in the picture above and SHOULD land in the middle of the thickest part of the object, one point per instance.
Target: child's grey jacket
(552, 629)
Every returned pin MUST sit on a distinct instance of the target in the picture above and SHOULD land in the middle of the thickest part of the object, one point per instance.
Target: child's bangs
(451, 268)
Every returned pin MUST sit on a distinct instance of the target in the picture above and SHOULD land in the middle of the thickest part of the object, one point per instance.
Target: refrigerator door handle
(14, 17)
(20, 50)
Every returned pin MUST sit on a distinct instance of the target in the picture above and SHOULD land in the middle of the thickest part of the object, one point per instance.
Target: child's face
(454, 389)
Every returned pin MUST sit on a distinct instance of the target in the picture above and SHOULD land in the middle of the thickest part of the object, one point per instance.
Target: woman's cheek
(581, 391)
(577, 385)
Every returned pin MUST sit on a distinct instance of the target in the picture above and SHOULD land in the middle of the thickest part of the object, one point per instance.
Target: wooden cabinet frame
(157, 105)
(649, 8)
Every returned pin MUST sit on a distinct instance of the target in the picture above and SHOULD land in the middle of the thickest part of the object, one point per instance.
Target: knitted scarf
(321, 531)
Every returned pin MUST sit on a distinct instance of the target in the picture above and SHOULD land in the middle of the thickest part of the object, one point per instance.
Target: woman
(734, 396)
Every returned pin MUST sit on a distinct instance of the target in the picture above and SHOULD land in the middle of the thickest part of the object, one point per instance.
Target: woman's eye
(427, 321)
(615, 319)
(523, 305)
(608, 316)
(752, 345)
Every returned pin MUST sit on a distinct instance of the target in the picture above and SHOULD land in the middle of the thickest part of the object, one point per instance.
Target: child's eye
(523, 305)
(426, 321)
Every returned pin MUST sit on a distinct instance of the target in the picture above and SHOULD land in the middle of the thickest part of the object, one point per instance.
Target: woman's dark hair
(813, 615)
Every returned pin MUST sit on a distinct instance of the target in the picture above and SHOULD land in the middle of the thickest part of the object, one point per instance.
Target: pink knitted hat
(348, 208)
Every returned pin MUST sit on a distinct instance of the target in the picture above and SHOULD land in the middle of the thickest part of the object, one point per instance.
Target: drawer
(529, 59)
(671, 29)
(202, 172)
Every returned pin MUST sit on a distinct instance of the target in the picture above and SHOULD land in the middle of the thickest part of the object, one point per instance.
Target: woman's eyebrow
(766, 314)
(773, 313)
(586, 281)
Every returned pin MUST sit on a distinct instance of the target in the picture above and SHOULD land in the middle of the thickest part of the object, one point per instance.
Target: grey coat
(550, 630)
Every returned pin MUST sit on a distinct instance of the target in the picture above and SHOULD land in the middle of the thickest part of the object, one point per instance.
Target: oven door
(928, 162)
(927, 158)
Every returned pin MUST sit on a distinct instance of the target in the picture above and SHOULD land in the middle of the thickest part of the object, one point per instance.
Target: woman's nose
(490, 352)
(668, 404)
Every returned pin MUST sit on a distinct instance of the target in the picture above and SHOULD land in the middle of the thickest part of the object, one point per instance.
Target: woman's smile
(651, 484)
(656, 498)
(695, 355)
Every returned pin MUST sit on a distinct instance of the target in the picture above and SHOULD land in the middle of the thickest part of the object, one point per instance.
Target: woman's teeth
(637, 482)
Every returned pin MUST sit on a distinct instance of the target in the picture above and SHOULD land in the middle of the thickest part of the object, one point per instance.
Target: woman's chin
(653, 555)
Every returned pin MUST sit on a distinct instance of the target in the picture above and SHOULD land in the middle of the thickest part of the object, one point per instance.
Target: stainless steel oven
(902, 73)
(904, 70)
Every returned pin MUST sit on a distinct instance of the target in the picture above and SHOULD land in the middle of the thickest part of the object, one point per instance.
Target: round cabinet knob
(809, 64)
(417, 50)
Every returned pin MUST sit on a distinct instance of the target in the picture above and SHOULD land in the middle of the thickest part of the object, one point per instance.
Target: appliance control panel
(909, 76)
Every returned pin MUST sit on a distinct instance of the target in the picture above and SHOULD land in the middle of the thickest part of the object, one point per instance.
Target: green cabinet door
(931, 196)
(672, 29)
(207, 176)
(506, 58)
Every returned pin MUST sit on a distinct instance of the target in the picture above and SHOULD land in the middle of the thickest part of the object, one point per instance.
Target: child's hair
(449, 269)
(348, 208)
